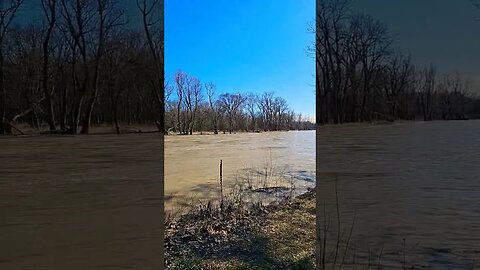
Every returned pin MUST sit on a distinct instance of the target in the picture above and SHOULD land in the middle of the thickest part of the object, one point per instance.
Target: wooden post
(221, 184)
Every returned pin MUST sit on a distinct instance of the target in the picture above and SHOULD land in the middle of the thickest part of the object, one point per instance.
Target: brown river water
(92, 202)
(414, 181)
(192, 162)
(80, 202)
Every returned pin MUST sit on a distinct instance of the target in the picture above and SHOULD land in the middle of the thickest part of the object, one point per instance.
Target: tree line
(195, 107)
(361, 77)
(83, 63)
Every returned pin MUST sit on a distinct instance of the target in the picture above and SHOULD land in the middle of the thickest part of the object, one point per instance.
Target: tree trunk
(115, 118)
(88, 116)
(75, 115)
(48, 98)
(4, 129)
(63, 121)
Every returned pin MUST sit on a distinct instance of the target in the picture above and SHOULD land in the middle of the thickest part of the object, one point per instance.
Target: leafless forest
(84, 64)
(362, 77)
(193, 106)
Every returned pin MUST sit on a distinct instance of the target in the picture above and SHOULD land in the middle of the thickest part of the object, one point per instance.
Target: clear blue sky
(244, 46)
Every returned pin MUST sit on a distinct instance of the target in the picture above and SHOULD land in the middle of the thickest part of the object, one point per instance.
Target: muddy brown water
(80, 202)
(415, 181)
(92, 202)
(192, 162)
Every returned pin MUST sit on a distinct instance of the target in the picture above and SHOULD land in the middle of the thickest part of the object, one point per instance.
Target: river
(417, 181)
(192, 162)
(80, 202)
(93, 202)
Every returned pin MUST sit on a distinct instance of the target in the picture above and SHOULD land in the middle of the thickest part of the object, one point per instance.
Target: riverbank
(280, 235)
(27, 130)
(105, 129)
(234, 132)
(138, 128)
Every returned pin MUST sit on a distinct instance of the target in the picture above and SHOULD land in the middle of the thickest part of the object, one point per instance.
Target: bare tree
(375, 46)
(108, 17)
(265, 104)
(8, 10)
(213, 106)
(50, 10)
(280, 110)
(119, 57)
(251, 102)
(330, 28)
(426, 91)
(193, 99)
(189, 93)
(77, 25)
(25, 64)
(180, 81)
(397, 76)
(152, 18)
(349, 50)
(231, 104)
(452, 96)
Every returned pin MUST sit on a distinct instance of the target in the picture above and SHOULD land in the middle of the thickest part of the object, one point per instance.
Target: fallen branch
(10, 125)
(22, 114)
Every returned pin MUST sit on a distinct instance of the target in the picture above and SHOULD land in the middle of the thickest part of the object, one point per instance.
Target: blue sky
(244, 46)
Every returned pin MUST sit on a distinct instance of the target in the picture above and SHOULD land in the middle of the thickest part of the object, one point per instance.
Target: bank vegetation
(362, 77)
(193, 106)
(82, 64)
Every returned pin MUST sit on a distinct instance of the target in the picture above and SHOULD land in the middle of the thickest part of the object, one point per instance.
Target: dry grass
(277, 236)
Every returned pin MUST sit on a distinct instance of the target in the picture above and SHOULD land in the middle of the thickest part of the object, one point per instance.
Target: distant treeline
(83, 63)
(192, 106)
(361, 77)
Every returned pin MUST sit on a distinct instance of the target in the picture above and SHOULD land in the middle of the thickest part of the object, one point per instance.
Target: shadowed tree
(50, 11)
(426, 91)
(397, 77)
(77, 25)
(152, 19)
(349, 49)
(8, 10)
(374, 47)
(108, 16)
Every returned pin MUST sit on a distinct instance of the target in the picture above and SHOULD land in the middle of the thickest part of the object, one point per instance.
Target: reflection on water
(413, 181)
(80, 202)
(192, 162)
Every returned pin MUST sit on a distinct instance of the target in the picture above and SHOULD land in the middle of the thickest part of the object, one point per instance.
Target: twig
(338, 223)
(348, 240)
(324, 235)
(379, 258)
